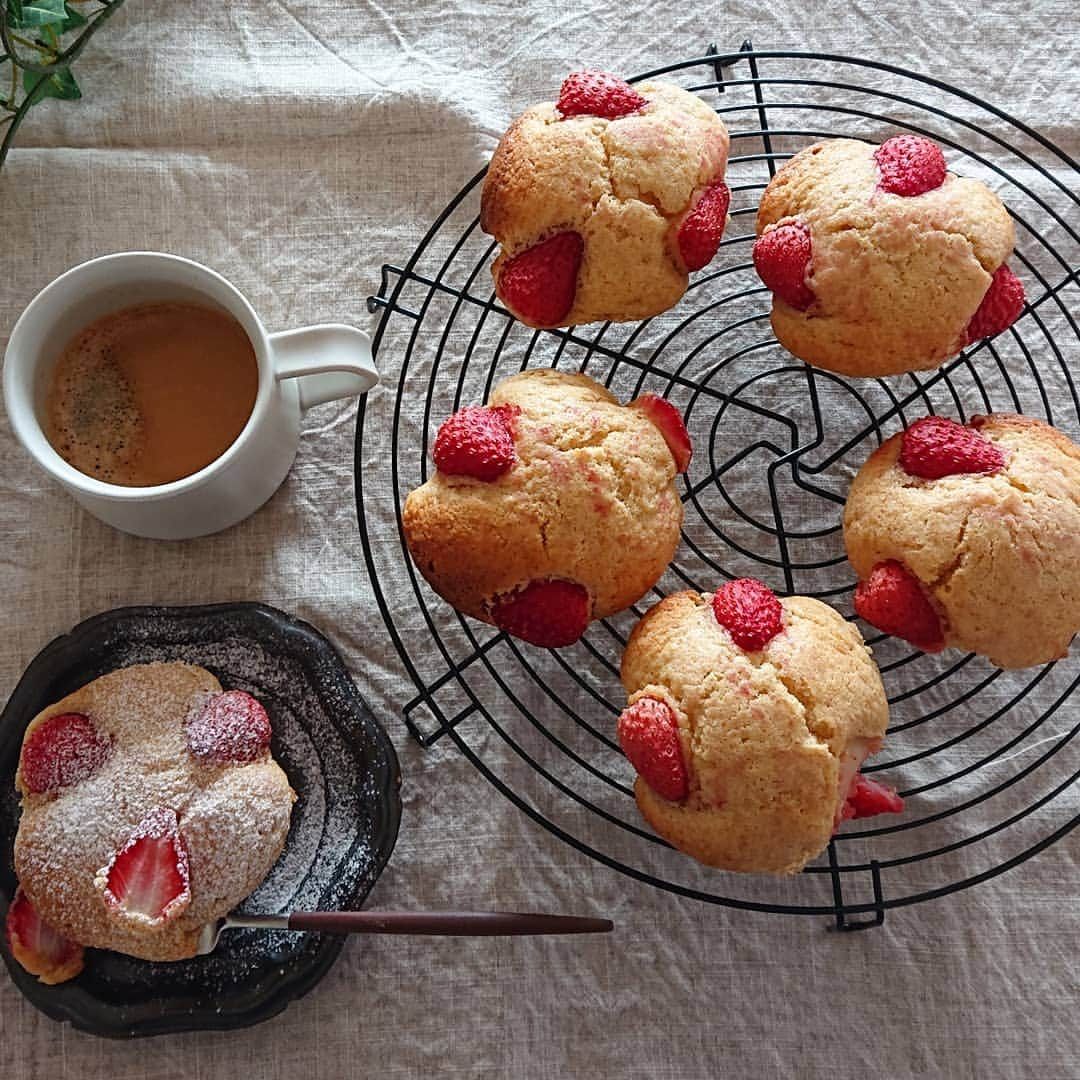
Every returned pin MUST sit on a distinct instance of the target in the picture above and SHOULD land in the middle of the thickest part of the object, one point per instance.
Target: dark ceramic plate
(337, 757)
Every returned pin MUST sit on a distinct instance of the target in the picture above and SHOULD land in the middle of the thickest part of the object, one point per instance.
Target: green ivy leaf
(32, 13)
(61, 84)
(73, 19)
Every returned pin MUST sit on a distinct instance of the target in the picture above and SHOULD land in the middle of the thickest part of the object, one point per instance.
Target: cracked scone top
(969, 536)
(150, 806)
(879, 260)
(551, 506)
(603, 201)
(747, 721)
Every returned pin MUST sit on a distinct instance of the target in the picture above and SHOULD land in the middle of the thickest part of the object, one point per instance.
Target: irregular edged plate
(339, 761)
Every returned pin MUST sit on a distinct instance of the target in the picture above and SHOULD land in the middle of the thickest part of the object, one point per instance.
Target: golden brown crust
(233, 818)
(763, 734)
(896, 279)
(625, 185)
(996, 553)
(591, 499)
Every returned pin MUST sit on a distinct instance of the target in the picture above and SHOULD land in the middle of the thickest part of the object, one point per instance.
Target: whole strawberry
(539, 285)
(596, 93)
(782, 259)
(550, 614)
(892, 599)
(231, 726)
(60, 751)
(702, 228)
(936, 446)
(478, 441)
(1000, 307)
(749, 611)
(649, 737)
(670, 424)
(909, 165)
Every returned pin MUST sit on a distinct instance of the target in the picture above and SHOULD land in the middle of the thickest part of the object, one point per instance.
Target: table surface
(294, 147)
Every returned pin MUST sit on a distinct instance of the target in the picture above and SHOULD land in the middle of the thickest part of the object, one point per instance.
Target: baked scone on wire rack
(605, 200)
(551, 506)
(151, 806)
(968, 535)
(748, 719)
(880, 261)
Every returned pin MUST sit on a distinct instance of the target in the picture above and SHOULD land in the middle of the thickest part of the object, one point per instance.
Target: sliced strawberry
(231, 726)
(670, 424)
(649, 737)
(62, 750)
(892, 599)
(39, 947)
(546, 613)
(539, 285)
(701, 229)
(749, 611)
(148, 879)
(868, 797)
(596, 93)
(936, 446)
(477, 441)
(910, 165)
(782, 259)
(1000, 307)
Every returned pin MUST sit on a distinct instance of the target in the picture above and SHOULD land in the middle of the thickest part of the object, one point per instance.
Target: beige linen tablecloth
(295, 146)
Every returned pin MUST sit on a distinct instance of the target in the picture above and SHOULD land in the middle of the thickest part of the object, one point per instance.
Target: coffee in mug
(152, 393)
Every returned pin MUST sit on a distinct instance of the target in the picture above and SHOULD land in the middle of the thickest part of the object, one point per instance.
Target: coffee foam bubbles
(94, 420)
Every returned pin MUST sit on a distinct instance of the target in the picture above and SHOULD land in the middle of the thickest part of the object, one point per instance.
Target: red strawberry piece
(38, 946)
(596, 93)
(148, 877)
(749, 611)
(892, 599)
(869, 797)
(231, 726)
(1000, 307)
(61, 751)
(782, 259)
(477, 441)
(670, 424)
(936, 446)
(649, 737)
(546, 613)
(539, 285)
(701, 229)
(909, 165)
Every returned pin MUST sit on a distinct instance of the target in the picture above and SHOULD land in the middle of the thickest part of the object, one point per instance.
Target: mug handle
(329, 361)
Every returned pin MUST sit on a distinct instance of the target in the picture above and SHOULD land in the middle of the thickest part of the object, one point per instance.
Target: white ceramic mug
(297, 369)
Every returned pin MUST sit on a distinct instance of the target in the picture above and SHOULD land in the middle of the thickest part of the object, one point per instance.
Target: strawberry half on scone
(968, 535)
(151, 805)
(605, 200)
(748, 719)
(880, 261)
(551, 506)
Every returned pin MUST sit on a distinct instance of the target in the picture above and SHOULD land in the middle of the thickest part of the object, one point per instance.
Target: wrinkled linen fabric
(295, 147)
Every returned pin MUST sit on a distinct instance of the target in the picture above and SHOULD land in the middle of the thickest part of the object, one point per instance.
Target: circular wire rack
(987, 760)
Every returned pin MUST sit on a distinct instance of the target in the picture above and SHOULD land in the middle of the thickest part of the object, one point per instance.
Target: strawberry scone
(969, 536)
(747, 722)
(552, 506)
(880, 261)
(605, 200)
(150, 806)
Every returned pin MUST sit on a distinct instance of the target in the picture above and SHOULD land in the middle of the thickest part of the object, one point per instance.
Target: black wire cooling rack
(986, 760)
